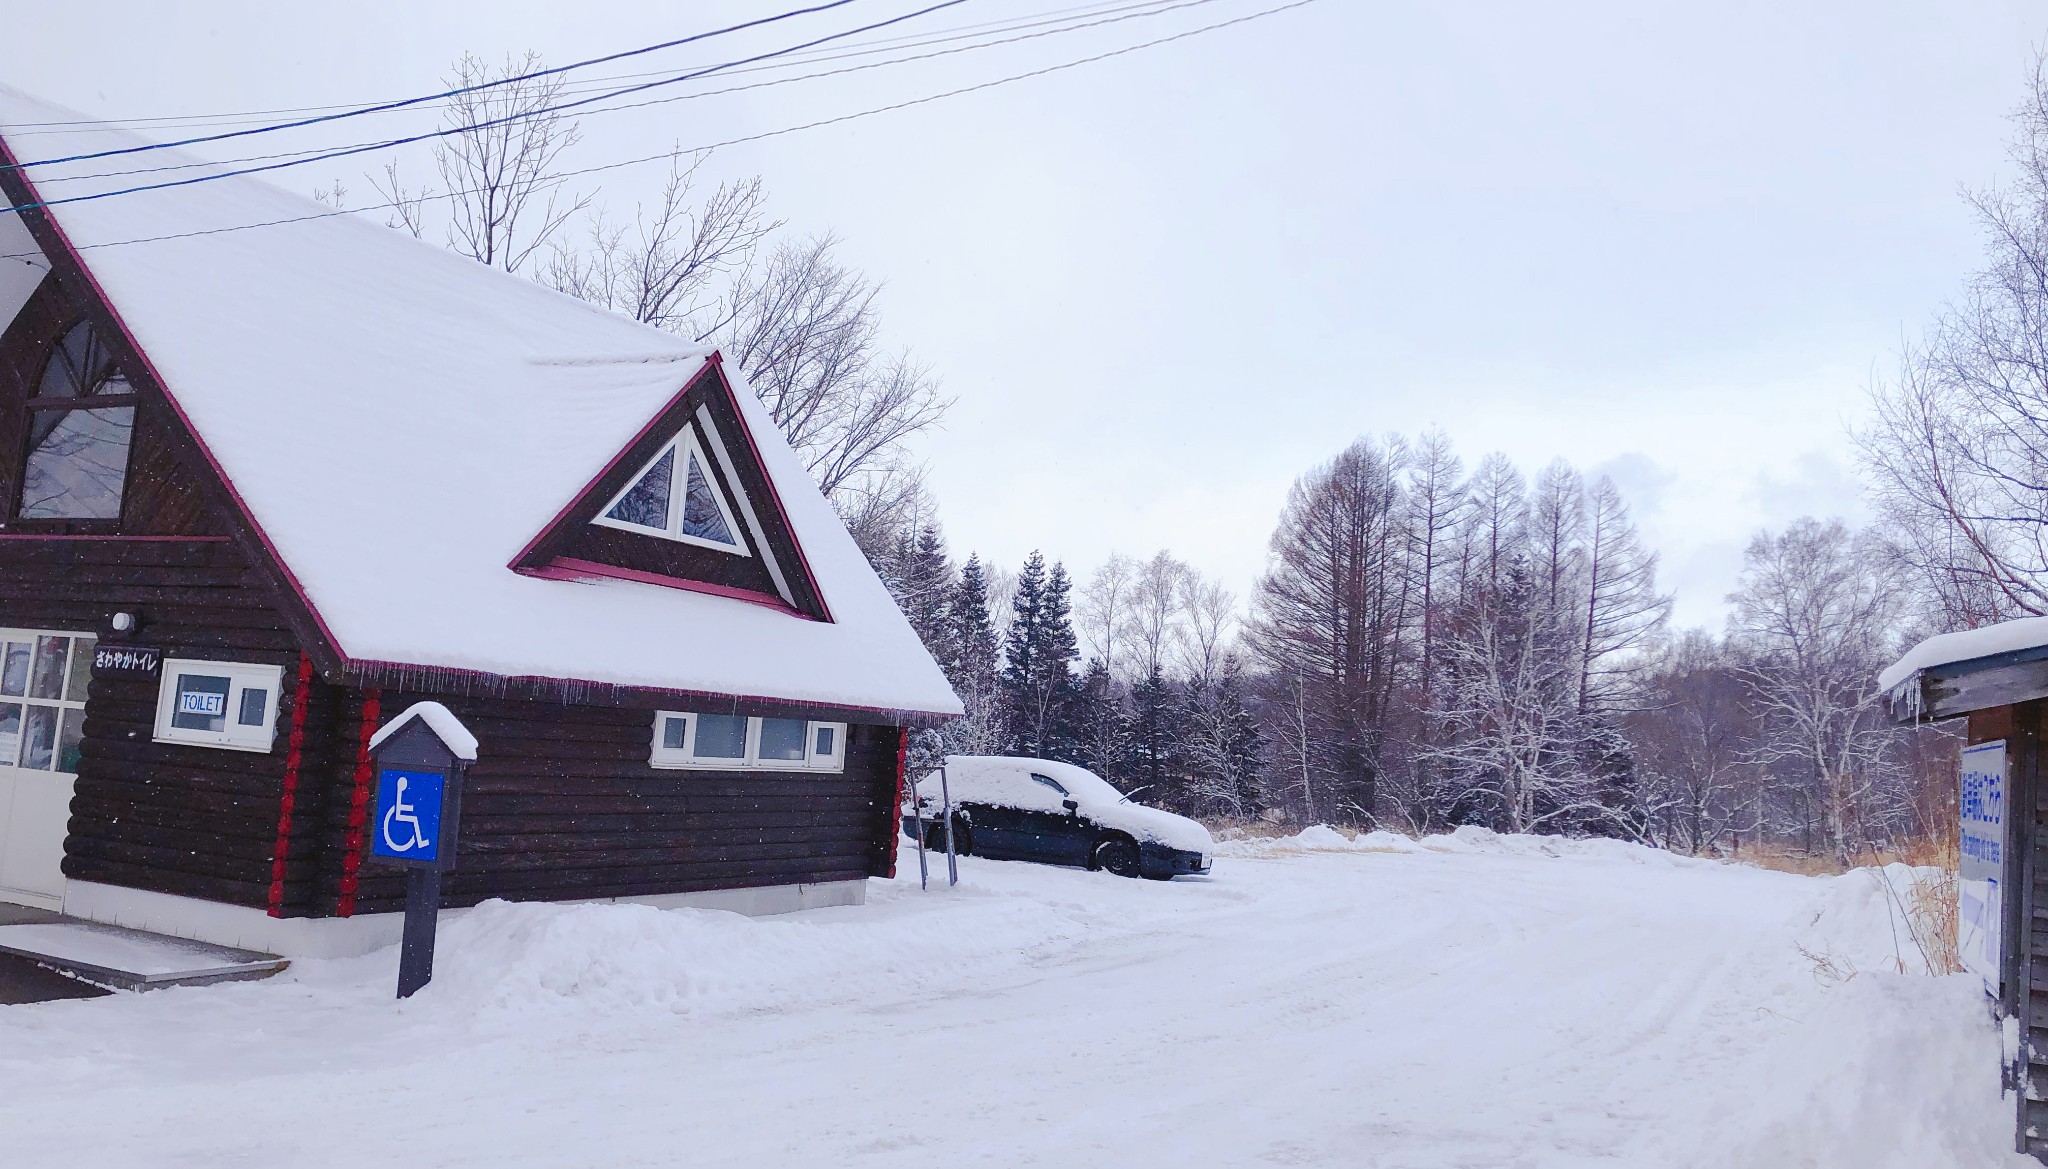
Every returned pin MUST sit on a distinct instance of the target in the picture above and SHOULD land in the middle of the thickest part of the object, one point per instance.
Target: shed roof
(398, 422)
(1970, 669)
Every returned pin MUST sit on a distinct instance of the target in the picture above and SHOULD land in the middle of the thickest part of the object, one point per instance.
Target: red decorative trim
(358, 805)
(774, 496)
(576, 500)
(119, 539)
(570, 568)
(297, 744)
(896, 808)
(13, 165)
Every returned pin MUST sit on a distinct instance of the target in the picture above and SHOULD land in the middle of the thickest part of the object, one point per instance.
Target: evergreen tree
(1037, 674)
(1153, 750)
(1100, 726)
(984, 730)
(923, 586)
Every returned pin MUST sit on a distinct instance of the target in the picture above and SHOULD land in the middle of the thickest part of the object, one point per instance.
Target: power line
(766, 134)
(1150, 7)
(412, 101)
(471, 128)
(866, 48)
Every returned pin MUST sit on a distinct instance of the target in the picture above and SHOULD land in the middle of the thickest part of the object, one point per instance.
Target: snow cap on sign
(398, 422)
(1965, 645)
(441, 721)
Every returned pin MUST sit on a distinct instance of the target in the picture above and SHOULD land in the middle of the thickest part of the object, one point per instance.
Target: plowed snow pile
(1465, 1000)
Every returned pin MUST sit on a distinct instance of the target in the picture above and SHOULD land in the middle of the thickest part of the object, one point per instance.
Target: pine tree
(923, 587)
(984, 729)
(1037, 674)
(1100, 725)
(1224, 752)
(1152, 752)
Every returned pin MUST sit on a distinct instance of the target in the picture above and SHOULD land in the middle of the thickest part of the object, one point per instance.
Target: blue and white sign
(1980, 909)
(202, 702)
(408, 824)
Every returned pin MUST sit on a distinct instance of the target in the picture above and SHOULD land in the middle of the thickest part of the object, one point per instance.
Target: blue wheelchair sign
(408, 823)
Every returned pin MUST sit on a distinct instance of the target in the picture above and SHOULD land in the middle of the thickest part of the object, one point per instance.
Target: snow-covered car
(1011, 808)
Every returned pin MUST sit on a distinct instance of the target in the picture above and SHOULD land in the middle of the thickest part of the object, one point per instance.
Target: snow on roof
(400, 421)
(1965, 645)
(440, 720)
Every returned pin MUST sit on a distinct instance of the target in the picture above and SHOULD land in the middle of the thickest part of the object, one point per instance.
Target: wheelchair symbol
(401, 813)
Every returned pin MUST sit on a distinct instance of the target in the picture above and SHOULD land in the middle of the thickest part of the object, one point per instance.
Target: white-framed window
(43, 678)
(676, 498)
(726, 741)
(218, 704)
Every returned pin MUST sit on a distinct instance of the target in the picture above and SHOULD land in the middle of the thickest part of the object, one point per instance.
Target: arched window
(79, 425)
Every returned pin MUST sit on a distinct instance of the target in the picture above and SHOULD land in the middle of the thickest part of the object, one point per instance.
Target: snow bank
(1469, 839)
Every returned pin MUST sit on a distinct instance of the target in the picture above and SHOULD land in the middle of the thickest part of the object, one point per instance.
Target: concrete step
(125, 959)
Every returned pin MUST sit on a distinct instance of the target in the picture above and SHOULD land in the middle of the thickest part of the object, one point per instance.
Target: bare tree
(1623, 609)
(804, 330)
(1958, 448)
(1437, 503)
(667, 270)
(1104, 613)
(1158, 594)
(500, 174)
(1208, 617)
(1814, 616)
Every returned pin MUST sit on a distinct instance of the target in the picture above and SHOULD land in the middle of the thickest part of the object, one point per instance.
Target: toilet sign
(1980, 877)
(409, 815)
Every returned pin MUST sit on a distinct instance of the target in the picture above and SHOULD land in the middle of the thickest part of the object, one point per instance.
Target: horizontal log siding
(562, 804)
(193, 821)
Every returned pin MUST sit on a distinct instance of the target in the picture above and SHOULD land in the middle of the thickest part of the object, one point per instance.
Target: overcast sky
(1671, 243)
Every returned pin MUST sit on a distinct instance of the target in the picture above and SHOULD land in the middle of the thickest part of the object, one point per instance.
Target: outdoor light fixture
(124, 623)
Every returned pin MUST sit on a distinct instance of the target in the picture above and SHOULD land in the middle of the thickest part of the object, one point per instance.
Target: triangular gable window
(675, 497)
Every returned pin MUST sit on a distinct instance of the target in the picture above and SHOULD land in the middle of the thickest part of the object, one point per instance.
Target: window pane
(67, 740)
(827, 736)
(77, 461)
(14, 676)
(646, 504)
(672, 730)
(201, 703)
(47, 681)
(721, 736)
(10, 733)
(701, 517)
(39, 738)
(783, 738)
(255, 700)
(81, 669)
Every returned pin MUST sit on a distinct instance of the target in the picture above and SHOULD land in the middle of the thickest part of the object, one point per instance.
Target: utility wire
(1152, 8)
(413, 101)
(590, 85)
(765, 134)
(471, 128)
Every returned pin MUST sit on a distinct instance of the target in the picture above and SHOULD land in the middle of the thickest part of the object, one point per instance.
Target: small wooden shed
(1996, 678)
(270, 474)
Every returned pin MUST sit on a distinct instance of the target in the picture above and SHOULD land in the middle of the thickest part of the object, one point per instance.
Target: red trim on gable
(774, 496)
(576, 501)
(358, 805)
(291, 579)
(570, 568)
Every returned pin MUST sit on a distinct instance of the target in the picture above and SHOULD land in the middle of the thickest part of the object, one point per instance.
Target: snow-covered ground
(1479, 1001)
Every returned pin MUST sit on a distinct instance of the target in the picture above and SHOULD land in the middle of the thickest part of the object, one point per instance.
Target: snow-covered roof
(1948, 649)
(399, 422)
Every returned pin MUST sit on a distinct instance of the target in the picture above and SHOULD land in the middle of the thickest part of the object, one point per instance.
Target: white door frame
(43, 679)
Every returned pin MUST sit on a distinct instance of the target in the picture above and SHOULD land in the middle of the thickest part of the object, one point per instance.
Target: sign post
(1980, 877)
(420, 759)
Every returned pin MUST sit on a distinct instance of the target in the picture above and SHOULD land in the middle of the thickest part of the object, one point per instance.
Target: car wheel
(935, 837)
(1118, 855)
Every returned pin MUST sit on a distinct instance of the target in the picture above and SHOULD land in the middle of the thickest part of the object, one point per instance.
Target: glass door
(43, 680)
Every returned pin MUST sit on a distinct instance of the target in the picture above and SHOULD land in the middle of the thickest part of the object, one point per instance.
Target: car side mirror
(1070, 805)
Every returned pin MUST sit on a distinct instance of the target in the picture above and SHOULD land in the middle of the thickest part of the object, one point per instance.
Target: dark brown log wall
(562, 804)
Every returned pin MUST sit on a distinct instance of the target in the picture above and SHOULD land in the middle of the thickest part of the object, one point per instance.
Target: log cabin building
(1994, 680)
(270, 474)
